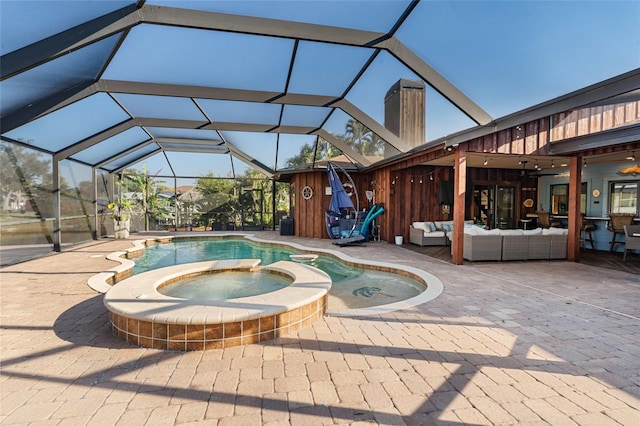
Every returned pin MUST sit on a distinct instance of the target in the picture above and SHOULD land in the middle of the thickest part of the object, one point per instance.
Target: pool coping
(102, 282)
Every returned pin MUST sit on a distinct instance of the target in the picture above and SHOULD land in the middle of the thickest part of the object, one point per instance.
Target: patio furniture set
(546, 242)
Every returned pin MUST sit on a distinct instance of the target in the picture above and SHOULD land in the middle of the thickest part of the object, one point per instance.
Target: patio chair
(617, 221)
(632, 239)
(545, 221)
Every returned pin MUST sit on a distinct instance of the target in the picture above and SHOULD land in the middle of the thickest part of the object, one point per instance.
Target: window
(624, 197)
(560, 199)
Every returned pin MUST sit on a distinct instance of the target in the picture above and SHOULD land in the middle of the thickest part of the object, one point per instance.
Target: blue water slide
(376, 210)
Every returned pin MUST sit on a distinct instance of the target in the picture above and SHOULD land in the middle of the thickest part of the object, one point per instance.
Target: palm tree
(362, 139)
(146, 191)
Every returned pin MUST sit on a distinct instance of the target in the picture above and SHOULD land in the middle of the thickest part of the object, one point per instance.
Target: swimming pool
(354, 287)
(140, 314)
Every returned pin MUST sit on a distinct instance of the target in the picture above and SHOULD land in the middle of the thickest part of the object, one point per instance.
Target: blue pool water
(225, 285)
(352, 287)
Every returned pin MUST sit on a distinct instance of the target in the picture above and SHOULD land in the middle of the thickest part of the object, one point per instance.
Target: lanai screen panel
(371, 16)
(242, 168)
(369, 95)
(295, 150)
(326, 69)
(155, 165)
(26, 22)
(306, 116)
(126, 160)
(195, 57)
(76, 68)
(356, 136)
(241, 112)
(258, 146)
(150, 106)
(71, 124)
(112, 146)
(189, 164)
(178, 133)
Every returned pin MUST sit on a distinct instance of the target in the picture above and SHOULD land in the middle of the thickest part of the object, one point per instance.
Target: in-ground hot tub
(139, 314)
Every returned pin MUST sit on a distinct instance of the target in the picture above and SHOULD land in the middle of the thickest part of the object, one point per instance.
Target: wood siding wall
(527, 139)
(309, 217)
(595, 119)
(406, 201)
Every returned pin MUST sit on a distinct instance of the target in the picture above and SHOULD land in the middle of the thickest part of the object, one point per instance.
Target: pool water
(225, 285)
(352, 287)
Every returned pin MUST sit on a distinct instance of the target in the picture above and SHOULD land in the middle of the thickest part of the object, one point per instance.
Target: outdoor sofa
(514, 244)
(432, 233)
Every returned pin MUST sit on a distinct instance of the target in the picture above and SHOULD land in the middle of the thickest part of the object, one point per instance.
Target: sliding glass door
(495, 206)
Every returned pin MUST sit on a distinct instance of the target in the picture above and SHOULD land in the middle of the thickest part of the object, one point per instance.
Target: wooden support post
(460, 189)
(575, 186)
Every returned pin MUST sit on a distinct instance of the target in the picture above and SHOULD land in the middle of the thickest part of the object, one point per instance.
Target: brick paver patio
(506, 343)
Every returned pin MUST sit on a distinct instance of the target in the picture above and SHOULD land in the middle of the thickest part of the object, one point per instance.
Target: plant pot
(399, 240)
(121, 228)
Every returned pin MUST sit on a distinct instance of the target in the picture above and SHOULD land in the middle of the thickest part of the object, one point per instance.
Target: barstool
(526, 223)
(617, 221)
(586, 229)
(544, 218)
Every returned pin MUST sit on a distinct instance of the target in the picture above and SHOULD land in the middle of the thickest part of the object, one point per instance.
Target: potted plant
(121, 214)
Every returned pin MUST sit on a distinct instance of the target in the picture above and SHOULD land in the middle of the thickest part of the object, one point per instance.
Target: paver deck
(548, 342)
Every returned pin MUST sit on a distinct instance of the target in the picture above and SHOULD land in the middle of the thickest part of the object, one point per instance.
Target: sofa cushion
(424, 226)
(434, 234)
(511, 232)
(537, 231)
(481, 231)
(555, 231)
(440, 223)
(476, 230)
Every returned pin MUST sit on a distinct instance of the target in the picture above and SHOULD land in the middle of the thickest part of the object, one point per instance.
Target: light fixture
(632, 157)
(553, 166)
(431, 176)
(536, 165)
(485, 161)
(411, 178)
(584, 163)
(420, 179)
